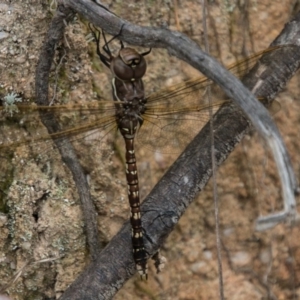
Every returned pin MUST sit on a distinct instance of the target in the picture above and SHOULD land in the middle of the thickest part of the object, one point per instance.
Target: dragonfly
(165, 121)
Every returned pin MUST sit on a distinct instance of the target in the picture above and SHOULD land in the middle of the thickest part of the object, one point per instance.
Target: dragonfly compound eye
(129, 65)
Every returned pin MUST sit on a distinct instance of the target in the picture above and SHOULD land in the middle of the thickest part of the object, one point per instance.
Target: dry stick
(192, 170)
(213, 161)
(66, 149)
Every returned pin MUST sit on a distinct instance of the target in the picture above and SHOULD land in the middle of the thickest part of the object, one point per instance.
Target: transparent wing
(176, 114)
(170, 132)
(89, 123)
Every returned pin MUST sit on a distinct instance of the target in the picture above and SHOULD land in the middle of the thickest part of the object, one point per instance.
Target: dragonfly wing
(88, 124)
(170, 132)
(176, 114)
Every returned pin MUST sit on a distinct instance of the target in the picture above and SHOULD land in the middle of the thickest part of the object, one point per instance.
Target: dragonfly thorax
(127, 91)
(130, 105)
(129, 116)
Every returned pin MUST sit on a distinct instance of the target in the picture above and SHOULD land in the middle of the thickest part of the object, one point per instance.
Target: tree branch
(65, 148)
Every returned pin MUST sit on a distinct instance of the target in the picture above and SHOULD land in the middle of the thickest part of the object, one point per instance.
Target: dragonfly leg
(96, 34)
(159, 261)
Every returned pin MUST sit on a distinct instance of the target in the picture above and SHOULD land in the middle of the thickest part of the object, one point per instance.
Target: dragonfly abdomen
(139, 252)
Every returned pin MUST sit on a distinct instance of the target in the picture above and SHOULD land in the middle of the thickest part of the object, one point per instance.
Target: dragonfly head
(129, 65)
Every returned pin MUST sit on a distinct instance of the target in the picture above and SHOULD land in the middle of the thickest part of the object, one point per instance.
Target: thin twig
(213, 161)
